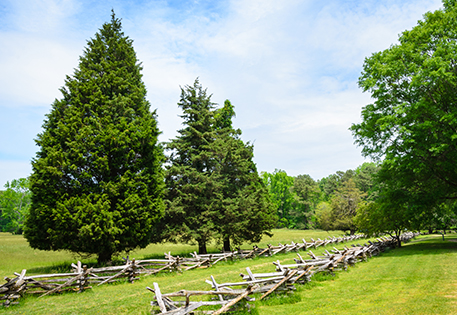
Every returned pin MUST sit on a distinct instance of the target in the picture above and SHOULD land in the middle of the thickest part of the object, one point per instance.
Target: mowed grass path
(420, 278)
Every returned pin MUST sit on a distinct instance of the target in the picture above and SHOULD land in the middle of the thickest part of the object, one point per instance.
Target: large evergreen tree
(191, 184)
(213, 188)
(97, 181)
(246, 212)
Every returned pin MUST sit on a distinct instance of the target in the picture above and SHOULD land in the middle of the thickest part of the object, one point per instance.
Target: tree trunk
(398, 240)
(227, 244)
(104, 258)
(202, 247)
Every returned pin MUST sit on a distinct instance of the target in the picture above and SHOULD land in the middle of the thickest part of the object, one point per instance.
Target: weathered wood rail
(283, 279)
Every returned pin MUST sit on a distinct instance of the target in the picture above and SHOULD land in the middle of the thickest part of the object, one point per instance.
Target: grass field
(419, 278)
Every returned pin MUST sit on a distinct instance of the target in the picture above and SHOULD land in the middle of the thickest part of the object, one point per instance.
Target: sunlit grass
(16, 254)
(419, 278)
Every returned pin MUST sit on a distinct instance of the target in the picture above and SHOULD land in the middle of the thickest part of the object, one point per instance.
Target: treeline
(15, 203)
(329, 203)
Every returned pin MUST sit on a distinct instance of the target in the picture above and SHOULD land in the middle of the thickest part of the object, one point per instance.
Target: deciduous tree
(412, 123)
(15, 204)
(344, 206)
(306, 194)
(279, 186)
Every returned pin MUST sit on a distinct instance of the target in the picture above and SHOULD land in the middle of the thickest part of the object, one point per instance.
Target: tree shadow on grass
(427, 246)
(55, 268)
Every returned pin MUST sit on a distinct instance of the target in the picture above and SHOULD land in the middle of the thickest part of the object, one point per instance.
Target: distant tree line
(330, 203)
(15, 203)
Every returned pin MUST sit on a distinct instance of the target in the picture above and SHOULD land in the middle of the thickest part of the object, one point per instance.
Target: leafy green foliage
(14, 205)
(331, 183)
(295, 198)
(365, 179)
(97, 180)
(279, 186)
(412, 122)
(344, 206)
(306, 197)
(342, 193)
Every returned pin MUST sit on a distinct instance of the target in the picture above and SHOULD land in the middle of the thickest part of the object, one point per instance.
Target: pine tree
(246, 212)
(213, 188)
(97, 182)
(192, 186)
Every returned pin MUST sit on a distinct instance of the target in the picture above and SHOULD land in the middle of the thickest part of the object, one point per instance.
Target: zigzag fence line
(81, 277)
(284, 279)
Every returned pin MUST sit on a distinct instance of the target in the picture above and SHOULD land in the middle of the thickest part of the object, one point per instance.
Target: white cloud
(33, 68)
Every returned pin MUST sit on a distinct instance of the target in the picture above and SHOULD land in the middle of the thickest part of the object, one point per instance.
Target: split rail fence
(82, 277)
(283, 279)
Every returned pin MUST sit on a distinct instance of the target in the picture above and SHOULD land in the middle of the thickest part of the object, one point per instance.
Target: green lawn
(419, 278)
(16, 254)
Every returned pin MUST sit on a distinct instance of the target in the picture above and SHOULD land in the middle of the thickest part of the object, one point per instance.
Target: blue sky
(289, 67)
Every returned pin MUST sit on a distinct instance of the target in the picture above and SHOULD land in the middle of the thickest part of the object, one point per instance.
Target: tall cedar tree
(192, 187)
(213, 188)
(97, 180)
(246, 212)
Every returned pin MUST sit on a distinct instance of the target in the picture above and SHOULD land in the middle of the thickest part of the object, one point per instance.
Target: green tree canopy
(246, 212)
(344, 204)
(306, 194)
(192, 185)
(413, 121)
(331, 183)
(279, 186)
(390, 214)
(97, 180)
(15, 203)
(365, 179)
